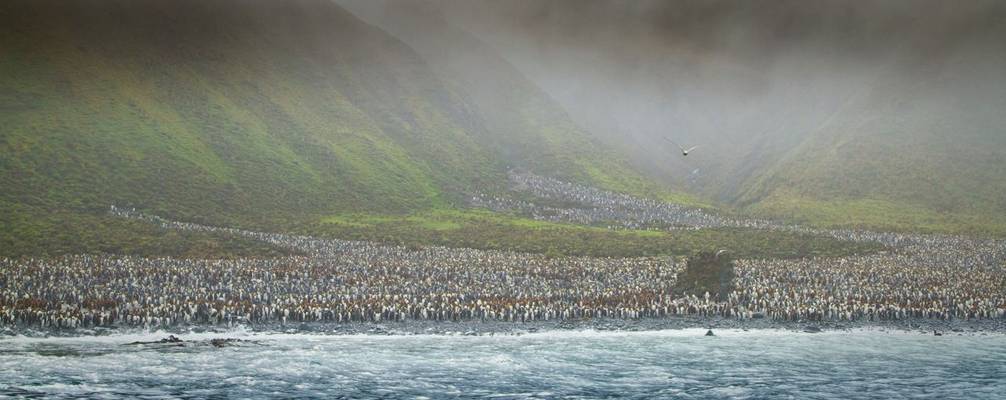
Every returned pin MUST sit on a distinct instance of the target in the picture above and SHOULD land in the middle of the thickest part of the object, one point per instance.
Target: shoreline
(493, 328)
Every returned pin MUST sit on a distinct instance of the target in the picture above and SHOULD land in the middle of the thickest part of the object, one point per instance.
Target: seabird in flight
(684, 151)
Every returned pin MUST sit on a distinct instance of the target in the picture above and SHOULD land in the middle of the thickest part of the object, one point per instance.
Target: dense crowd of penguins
(875, 287)
(566, 202)
(333, 281)
(918, 276)
(559, 201)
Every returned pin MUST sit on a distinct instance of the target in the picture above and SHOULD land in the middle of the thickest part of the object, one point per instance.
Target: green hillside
(289, 116)
(886, 115)
(523, 123)
(486, 230)
(263, 115)
(263, 106)
(923, 149)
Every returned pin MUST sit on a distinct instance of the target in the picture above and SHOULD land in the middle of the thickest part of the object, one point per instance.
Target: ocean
(685, 364)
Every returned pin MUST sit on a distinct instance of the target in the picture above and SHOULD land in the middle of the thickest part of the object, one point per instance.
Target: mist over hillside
(253, 113)
(524, 122)
(884, 113)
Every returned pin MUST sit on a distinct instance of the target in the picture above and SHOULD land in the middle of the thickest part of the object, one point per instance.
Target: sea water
(682, 364)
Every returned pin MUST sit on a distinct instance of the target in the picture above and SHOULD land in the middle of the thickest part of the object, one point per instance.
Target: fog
(748, 81)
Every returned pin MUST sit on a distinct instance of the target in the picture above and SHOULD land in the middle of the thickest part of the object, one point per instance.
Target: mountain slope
(523, 123)
(878, 114)
(246, 113)
(924, 146)
(265, 104)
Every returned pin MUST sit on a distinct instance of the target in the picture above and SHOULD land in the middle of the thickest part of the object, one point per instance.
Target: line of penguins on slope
(587, 205)
(934, 277)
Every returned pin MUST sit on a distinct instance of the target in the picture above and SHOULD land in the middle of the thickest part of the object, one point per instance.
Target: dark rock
(710, 333)
(708, 275)
(812, 329)
(171, 339)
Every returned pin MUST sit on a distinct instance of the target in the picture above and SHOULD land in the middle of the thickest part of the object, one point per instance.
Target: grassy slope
(29, 233)
(274, 116)
(486, 230)
(880, 183)
(923, 149)
(247, 115)
(290, 112)
(266, 115)
(524, 125)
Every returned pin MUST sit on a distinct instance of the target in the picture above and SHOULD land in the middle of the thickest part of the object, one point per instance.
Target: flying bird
(684, 151)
